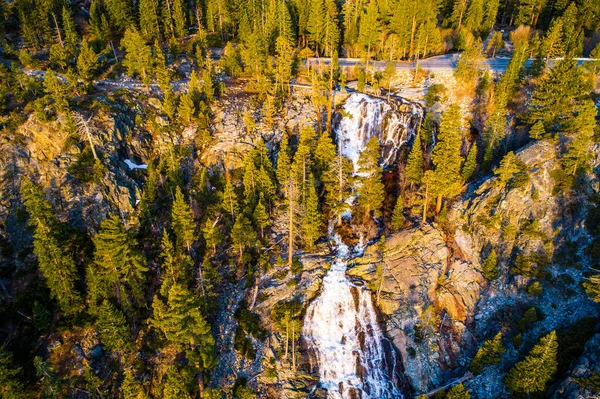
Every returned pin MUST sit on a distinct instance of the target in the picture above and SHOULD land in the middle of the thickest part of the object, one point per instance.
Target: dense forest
(140, 228)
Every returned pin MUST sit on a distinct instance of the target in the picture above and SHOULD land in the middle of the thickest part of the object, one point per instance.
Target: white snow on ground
(133, 165)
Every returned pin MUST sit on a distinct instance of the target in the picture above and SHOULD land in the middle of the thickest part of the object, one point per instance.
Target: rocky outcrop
(420, 291)
(583, 379)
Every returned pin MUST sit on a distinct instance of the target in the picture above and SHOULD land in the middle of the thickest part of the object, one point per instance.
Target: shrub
(535, 288)
(529, 318)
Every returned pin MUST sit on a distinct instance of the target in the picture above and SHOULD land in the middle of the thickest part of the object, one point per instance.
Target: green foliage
(489, 353)
(131, 388)
(470, 165)
(182, 222)
(119, 266)
(414, 164)
(458, 392)
(11, 385)
(56, 264)
(371, 192)
(113, 328)
(446, 156)
(87, 63)
(490, 266)
(138, 55)
(559, 95)
(509, 167)
(529, 318)
(398, 214)
(435, 93)
(536, 370)
(182, 324)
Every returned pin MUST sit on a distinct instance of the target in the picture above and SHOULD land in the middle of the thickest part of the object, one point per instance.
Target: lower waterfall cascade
(345, 340)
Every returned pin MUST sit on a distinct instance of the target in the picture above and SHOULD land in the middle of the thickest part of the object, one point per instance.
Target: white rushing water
(364, 117)
(345, 340)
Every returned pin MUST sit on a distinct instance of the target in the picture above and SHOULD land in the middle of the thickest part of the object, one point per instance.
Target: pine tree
(121, 13)
(99, 21)
(414, 164)
(182, 222)
(509, 166)
(283, 160)
(71, 35)
(592, 287)
(212, 234)
(178, 383)
(552, 45)
(536, 370)
(490, 353)
(474, 16)
(57, 266)
(458, 392)
(311, 218)
(187, 108)
(161, 70)
(138, 55)
(149, 19)
(119, 266)
(537, 131)
(174, 267)
(180, 18)
(182, 324)
(242, 235)
(490, 266)
(331, 30)
(113, 328)
(446, 156)
(87, 64)
(316, 23)
(131, 388)
(230, 200)
(362, 77)
(369, 28)
(261, 217)
(11, 385)
(371, 192)
(458, 12)
(398, 215)
(325, 153)
(470, 164)
(579, 151)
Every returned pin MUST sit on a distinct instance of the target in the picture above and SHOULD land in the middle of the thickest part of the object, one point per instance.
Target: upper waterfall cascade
(363, 117)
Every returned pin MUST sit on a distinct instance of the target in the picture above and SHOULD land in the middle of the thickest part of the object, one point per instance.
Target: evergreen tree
(283, 160)
(470, 164)
(371, 192)
(113, 328)
(131, 388)
(362, 77)
(490, 353)
(490, 266)
(11, 386)
(537, 131)
(325, 154)
(261, 217)
(212, 234)
(458, 392)
(369, 28)
(398, 215)
(138, 55)
(446, 156)
(71, 35)
(178, 383)
(87, 64)
(182, 222)
(553, 44)
(180, 18)
(121, 13)
(311, 218)
(242, 235)
(230, 200)
(316, 23)
(509, 166)
(579, 153)
(119, 266)
(592, 287)
(182, 324)
(149, 13)
(99, 21)
(174, 265)
(414, 164)
(474, 15)
(57, 266)
(536, 370)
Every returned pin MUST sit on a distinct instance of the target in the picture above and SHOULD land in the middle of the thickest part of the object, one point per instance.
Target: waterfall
(340, 329)
(364, 117)
(345, 340)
